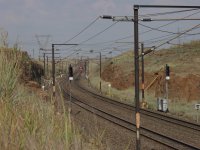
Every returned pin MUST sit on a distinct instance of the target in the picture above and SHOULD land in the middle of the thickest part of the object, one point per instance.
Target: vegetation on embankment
(184, 65)
(27, 120)
(183, 85)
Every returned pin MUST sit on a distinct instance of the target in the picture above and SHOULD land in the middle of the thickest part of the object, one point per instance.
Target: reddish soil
(116, 76)
(180, 87)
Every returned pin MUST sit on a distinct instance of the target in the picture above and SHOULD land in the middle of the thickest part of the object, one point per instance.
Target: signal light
(70, 71)
(167, 72)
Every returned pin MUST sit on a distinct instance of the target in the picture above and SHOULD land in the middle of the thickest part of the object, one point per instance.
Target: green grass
(27, 121)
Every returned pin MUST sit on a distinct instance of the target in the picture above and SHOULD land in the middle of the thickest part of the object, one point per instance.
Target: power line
(151, 29)
(168, 41)
(153, 40)
(166, 13)
(131, 36)
(82, 30)
(111, 41)
(171, 22)
(97, 34)
(156, 29)
(195, 27)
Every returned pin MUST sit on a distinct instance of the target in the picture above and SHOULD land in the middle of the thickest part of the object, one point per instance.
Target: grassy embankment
(26, 120)
(183, 59)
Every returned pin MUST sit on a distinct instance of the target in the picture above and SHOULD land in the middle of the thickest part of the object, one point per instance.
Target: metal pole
(47, 66)
(85, 68)
(142, 51)
(53, 71)
(66, 66)
(100, 71)
(44, 64)
(62, 66)
(59, 70)
(53, 67)
(70, 97)
(137, 103)
(166, 85)
(88, 73)
(165, 6)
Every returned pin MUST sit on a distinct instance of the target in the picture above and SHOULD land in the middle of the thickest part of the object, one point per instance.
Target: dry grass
(26, 120)
(180, 58)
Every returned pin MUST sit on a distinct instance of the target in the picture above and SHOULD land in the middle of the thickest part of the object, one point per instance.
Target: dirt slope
(184, 64)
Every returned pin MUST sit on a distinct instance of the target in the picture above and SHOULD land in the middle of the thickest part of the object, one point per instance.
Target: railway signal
(136, 20)
(70, 70)
(53, 65)
(167, 72)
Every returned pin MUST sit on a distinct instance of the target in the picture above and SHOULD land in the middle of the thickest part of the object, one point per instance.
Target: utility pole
(144, 103)
(166, 81)
(47, 66)
(53, 65)
(44, 63)
(85, 67)
(53, 71)
(137, 102)
(142, 59)
(100, 71)
(135, 19)
(62, 66)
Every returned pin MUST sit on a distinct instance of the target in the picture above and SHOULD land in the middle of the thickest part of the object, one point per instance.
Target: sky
(62, 19)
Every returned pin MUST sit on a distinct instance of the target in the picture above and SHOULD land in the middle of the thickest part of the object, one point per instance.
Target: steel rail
(150, 113)
(155, 136)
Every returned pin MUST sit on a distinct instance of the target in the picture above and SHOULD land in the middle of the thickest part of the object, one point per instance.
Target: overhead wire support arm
(167, 42)
(165, 6)
(131, 19)
(53, 64)
(136, 18)
(170, 19)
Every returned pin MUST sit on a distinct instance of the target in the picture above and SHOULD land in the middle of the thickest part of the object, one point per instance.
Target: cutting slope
(184, 64)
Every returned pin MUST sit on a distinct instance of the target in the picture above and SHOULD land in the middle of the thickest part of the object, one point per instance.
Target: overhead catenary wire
(168, 41)
(99, 33)
(171, 22)
(194, 27)
(111, 41)
(92, 37)
(156, 29)
(93, 44)
(131, 36)
(167, 13)
(157, 39)
(162, 38)
(84, 29)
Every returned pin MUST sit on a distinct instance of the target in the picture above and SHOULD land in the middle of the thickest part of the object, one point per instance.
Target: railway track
(155, 136)
(164, 117)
